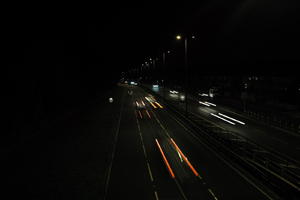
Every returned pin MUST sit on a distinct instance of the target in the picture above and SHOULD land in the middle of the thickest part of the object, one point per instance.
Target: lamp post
(178, 37)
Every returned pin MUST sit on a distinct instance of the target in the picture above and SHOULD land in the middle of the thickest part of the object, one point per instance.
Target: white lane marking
(144, 151)
(114, 149)
(156, 196)
(222, 118)
(150, 173)
(233, 168)
(231, 118)
(180, 189)
(211, 192)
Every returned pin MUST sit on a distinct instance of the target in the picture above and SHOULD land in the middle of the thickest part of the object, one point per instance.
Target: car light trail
(185, 158)
(173, 92)
(210, 103)
(140, 114)
(231, 118)
(143, 103)
(159, 105)
(203, 95)
(204, 103)
(148, 114)
(152, 104)
(165, 159)
(137, 104)
(222, 118)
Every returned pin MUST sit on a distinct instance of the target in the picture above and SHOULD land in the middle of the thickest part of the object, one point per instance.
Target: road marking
(156, 196)
(165, 159)
(180, 190)
(161, 125)
(114, 149)
(150, 173)
(211, 192)
(233, 168)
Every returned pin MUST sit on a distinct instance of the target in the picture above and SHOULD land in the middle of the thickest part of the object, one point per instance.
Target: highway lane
(219, 178)
(128, 177)
(254, 130)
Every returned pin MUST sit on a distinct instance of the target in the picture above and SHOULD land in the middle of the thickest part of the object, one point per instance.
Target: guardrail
(278, 172)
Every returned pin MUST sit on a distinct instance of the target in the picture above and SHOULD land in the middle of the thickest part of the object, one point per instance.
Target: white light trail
(210, 103)
(231, 118)
(204, 103)
(222, 118)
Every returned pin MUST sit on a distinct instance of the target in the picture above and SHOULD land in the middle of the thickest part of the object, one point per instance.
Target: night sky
(58, 54)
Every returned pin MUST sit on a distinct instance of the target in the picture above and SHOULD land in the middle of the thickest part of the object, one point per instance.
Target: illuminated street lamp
(178, 37)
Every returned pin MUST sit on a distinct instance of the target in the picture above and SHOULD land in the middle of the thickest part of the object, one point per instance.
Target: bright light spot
(193, 37)
(204, 103)
(231, 118)
(178, 37)
(173, 92)
(210, 103)
(168, 51)
(155, 86)
(182, 97)
(143, 103)
(110, 100)
(203, 95)
(137, 104)
(222, 119)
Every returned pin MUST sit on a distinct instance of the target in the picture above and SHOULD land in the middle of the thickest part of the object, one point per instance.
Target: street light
(178, 37)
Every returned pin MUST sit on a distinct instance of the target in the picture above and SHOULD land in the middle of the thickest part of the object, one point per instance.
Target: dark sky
(105, 40)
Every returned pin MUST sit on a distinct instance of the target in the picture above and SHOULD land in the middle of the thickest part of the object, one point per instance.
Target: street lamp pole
(186, 73)
(164, 74)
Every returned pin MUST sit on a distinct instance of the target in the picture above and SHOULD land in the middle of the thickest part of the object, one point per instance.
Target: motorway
(117, 151)
(157, 157)
(264, 135)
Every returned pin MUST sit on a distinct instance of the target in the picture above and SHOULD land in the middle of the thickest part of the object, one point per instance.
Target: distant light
(182, 97)
(155, 86)
(193, 37)
(203, 95)
(110, 100)
(168, 51)
(178, 37)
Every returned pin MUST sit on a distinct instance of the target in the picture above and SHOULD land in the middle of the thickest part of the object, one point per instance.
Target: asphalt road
(117, 151)
(149, 137)
(266, 136)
